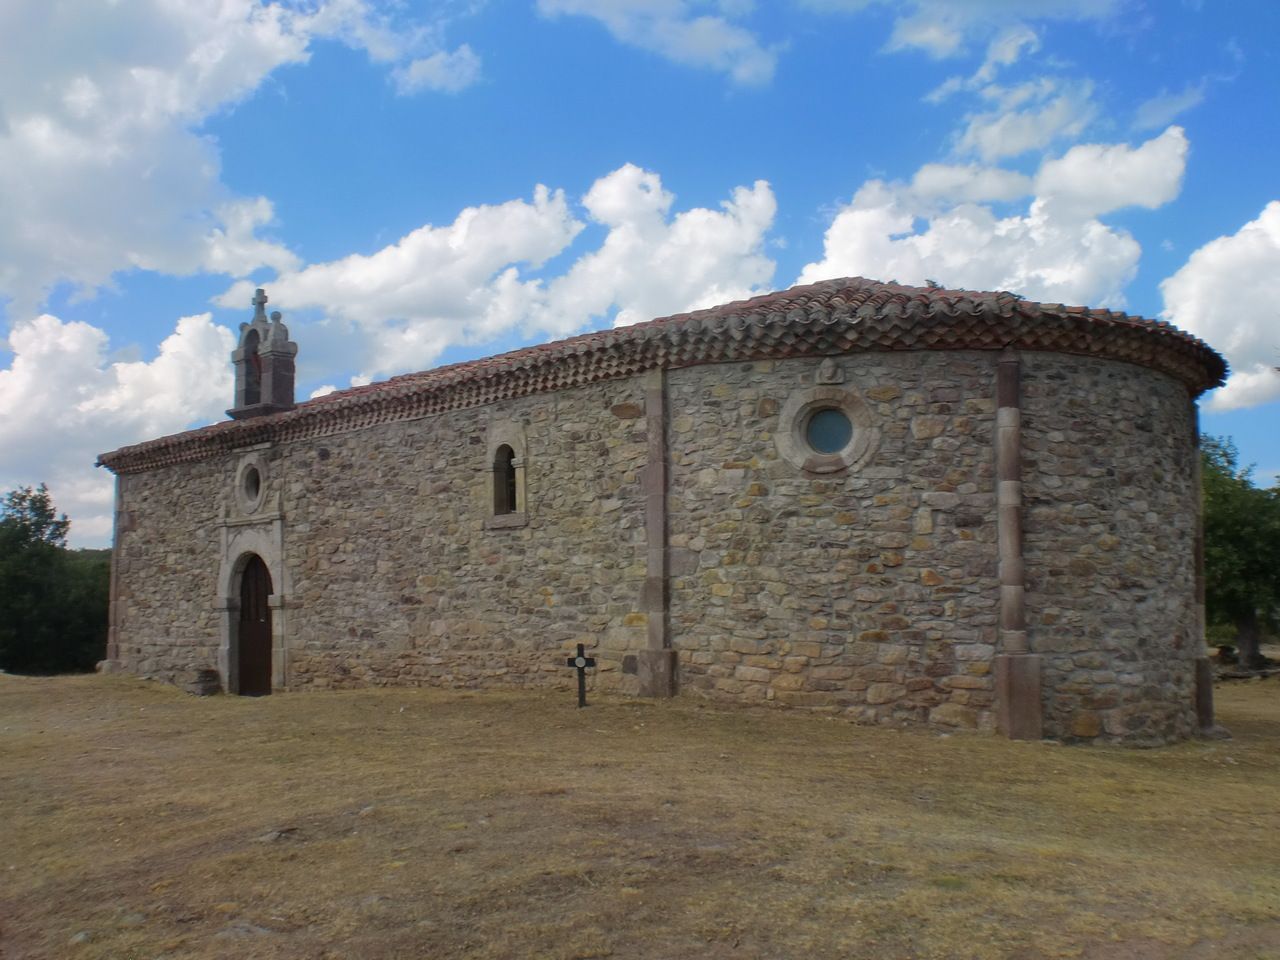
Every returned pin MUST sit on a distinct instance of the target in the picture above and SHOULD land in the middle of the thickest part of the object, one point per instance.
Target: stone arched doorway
(258, 544)
(253, 638)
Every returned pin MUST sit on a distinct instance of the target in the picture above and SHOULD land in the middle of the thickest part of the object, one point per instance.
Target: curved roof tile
(833, 316)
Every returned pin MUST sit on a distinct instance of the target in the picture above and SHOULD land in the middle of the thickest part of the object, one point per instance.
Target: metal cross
(580, 663)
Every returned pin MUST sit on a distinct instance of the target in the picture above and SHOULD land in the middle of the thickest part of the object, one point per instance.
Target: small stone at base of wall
(204, 682)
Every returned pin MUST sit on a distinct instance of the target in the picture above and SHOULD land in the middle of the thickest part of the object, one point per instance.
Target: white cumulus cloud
(445, 71)
(944, 28)
(1006, 49)
(675, 29)
(1228, 294)
(941, 226)
(102, 167)
(235, 246)
(478, 278)
(99, 169)
(1028, 116)
(971, 182)
(60, 383)
(1165, 106)
(651, 264)
(1095, 178)
(435, 286)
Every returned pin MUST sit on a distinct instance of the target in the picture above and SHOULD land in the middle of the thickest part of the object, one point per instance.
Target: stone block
(833, 672)
(923, 523)
(954, 715)
(204, 682)
(926, 427)
(885, 692)
(1116, 722)
(941, 500)
(965, 682)
(1086, 724)
(803, 698)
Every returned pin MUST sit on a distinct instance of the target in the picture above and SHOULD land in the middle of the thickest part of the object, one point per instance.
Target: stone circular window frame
(248, 503)
(793, 420)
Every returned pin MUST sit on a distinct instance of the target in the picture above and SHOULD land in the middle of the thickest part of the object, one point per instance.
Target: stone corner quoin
(891, 503)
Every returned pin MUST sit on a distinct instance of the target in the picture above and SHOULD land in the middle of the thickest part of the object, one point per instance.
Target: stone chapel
(891, 503)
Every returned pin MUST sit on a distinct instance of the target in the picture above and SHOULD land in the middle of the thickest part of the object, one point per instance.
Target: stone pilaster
(1203, 667)
(1019, 714)
(656, 664)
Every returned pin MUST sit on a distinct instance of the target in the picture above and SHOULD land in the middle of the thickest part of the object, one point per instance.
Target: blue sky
(419, 183)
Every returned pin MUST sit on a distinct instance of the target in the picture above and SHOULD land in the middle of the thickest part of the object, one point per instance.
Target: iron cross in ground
(580, 662)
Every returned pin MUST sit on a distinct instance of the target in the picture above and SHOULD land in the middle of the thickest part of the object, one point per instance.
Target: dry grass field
(142, 822)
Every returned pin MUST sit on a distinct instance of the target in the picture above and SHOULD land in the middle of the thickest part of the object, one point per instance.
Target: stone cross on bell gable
(259, 301)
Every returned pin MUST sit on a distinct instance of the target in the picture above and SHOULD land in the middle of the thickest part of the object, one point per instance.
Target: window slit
(504, 481)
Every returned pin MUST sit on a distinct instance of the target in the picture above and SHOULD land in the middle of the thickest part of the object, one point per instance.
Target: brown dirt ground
(141, 822)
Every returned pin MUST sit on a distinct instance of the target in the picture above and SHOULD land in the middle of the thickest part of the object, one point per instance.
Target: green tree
(53, 601)
(1241, 549)
(30, 515)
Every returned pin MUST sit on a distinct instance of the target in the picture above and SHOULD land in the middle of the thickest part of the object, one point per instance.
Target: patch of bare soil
(142, 822)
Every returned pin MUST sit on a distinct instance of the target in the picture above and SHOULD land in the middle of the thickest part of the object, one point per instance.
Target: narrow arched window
(504, 481)
(252, 370)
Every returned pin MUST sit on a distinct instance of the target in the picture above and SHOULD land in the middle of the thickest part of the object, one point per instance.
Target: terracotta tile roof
(831, 317)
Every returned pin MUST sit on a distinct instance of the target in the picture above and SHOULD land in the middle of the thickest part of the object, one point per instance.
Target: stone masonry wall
(166, 557)
(394, 577)
(397, 580)
(871, 592)
(1109, 532)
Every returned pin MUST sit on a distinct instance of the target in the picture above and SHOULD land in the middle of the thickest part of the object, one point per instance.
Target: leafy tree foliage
(53, 601)
(32, 517)
(1241, 548)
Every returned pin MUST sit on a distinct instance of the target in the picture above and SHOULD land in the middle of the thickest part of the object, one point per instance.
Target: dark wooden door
(255, 629)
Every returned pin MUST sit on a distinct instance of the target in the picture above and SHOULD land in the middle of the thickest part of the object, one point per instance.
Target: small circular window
(250, 488)
(252, 484)
(828, 430)
(825, 429)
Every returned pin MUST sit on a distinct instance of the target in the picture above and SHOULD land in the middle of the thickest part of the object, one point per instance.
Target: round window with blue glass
(828, 430)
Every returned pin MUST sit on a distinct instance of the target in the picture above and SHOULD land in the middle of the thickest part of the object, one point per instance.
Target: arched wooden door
(255, 629)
